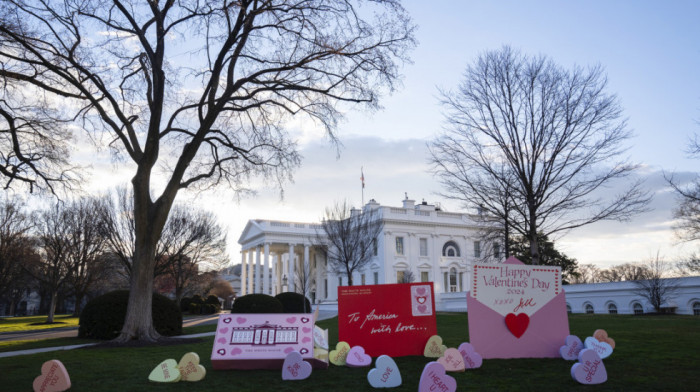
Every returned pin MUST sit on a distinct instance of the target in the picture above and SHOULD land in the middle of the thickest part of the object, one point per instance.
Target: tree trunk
(52, 307)
(78, 305)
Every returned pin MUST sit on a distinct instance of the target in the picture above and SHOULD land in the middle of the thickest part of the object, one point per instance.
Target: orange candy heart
(602, 336)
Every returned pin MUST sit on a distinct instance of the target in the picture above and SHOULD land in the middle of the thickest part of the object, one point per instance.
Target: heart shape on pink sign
(434, 378)
(572, 346)
(517, 323)
(223, 330)
(295, 368)
(420, 290)
(357, 357)
(240, 320)
(472, 359)
(291, 320)
(421, 300)
(589, 369)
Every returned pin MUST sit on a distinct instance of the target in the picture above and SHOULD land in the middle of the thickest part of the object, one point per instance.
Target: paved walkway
(73, 332)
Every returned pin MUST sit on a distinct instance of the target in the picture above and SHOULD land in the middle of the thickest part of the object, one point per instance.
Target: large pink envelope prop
(262, 341)
(515, 291)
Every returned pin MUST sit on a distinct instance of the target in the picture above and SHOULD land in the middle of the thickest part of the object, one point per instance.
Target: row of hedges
(103, 317)
(281, 303)
(199, 305)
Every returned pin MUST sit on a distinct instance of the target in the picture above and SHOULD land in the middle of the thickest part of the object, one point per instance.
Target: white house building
(436, 246)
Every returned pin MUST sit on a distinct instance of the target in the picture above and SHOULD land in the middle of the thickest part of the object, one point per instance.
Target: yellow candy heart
(434, 348)
(166, 371)
(190, 369)
(321, 354)
(340, 353)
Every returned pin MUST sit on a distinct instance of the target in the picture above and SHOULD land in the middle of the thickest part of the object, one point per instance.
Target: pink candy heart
(589, 369)
(452, 360)
(295, 368)
(434, 378)
(357, 357)
(472, 359)
(571, 348)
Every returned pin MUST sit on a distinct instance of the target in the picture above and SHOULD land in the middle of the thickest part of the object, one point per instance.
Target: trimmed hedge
(185, 304)
(294, 302)
(103, 317)
(213, 300)
(257, 303)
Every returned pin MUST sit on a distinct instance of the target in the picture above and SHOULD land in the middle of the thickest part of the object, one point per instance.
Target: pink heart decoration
(54, 377)
(288, 350)
(434, 378)
(295, 368)
(385, 373)
(304, 320)
(240, 320)
(357, 357)
(472, 359)
(306, 339)
(221, 340)
(601, 348)
(589, 369)
(422, 308)
(227, 320)
(572, 346)
(223, 330)
(517, 324)
(291, 320)
(420, 290)
(306, 329)
(452, 360)
(236, 351)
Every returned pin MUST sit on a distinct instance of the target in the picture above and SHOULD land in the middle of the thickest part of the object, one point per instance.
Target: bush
(257, 303)
(185, 303)
(210, 309)
(213, 300)
(195, 308)
(197, 299)
(294, 302)
(103, 317)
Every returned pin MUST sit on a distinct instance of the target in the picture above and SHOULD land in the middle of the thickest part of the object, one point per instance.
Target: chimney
(407, 203)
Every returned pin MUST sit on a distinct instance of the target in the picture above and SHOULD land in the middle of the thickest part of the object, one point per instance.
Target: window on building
(424, 276)
(340, 281)
(496, 250)
(453, 280)
(399, 276)
(568, 308)
(612, 309)
(423, 246)
(637, 308)
(399, 245)
(589, 309)
(450, 249)
(376, 278)
(362, 279)
(477, 249)
(696, 308)
(375, 249)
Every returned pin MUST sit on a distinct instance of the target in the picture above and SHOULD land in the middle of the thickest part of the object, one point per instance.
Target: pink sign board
(263, 341)
(387, 319)
(517, 310)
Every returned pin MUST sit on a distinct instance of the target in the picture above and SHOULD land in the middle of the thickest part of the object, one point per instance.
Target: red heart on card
(517, 324)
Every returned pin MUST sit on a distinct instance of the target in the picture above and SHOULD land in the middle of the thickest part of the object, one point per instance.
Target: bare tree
(15, 226)
(687, 213)
(349, 237)
(304, 280)
(587, 273)
(214, 114)
(624, 272)
(407, 277)
(656, 286)
(85, 248)
(525, 130)
(193, 242)
(54, 268)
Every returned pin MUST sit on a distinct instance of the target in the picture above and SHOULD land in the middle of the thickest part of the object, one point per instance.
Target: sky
(650, 51)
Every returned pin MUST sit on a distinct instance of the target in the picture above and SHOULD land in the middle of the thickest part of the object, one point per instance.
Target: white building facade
(435, 246)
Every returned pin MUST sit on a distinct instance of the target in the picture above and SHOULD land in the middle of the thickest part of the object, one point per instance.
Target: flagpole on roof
(362, 178)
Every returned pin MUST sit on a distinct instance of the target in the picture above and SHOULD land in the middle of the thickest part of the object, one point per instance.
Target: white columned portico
(266, 270)
(244, 273)
(306, 267)
(251, 272)
(278, 273)
(290, 268)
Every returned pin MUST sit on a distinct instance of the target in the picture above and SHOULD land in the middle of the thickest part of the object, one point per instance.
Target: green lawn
(653, 353)
(15, 324)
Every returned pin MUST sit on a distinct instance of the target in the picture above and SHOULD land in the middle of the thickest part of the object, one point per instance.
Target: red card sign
(387, 319)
